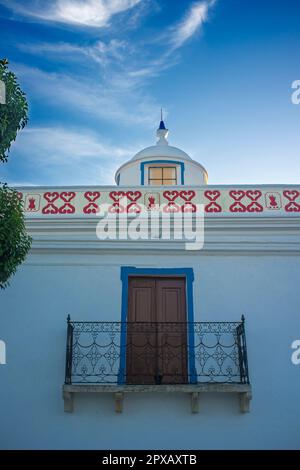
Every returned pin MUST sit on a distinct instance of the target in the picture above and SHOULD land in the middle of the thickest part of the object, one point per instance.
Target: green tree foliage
(14, 113)
(14, 241)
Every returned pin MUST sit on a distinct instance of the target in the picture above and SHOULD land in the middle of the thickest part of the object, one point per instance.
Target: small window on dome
(162, 175)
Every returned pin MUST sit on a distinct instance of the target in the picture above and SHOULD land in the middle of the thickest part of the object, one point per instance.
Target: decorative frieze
(216, 201)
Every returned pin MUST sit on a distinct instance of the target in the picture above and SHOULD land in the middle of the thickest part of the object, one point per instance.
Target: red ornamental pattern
(241, 201)
(241, 206)
(292, 205)
(31, 206)
(186, 196)
(213, 206)
(92, 207)
(273, 200)
(53, 199)
(117, 207)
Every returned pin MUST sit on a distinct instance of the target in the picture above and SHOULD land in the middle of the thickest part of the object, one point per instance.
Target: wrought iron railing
(156, 353)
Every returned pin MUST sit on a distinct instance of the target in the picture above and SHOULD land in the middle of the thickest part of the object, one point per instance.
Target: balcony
(121, 358)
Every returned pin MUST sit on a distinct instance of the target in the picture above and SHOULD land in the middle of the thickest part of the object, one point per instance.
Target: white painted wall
(47, 287)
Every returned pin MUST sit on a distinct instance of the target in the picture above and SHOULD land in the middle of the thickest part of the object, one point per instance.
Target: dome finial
(162, 132)
(161, 124)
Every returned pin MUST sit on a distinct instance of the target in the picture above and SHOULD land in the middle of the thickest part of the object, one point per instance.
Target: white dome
(135, 171)
(161, 151)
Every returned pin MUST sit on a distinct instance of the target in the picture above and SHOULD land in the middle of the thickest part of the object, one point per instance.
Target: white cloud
(126, 66)
(100, 52)
(90, 96)
(173, 39)
(115, 90)
(91, 13)
(196, 16)
(69, 156)
(76, 144)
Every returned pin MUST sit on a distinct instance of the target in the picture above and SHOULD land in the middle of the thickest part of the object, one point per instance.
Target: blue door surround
(188, 273)
(174, 162)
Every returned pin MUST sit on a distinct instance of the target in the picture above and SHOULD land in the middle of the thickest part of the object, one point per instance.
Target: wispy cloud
(91, 13)
(100, 52)
(69, 156)
(170, 42)
(121, 69)
(126, 65)
(194, 19)
(85, 95)
(109, 85)
(123, 64)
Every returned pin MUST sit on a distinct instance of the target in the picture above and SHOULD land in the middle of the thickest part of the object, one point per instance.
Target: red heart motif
(253, 194)
(237, 195)
(67, 197)
(291, 195)
(116, 209)
(292, 207)
(187, 195)
(51, 197)
(91, 208)
(254, 207)
(50, 209)
(173, 207)
(133, 195)
(171, 195)
(212, 195)
(133, 208)
(189, 207)
(237, 207)
(67, 209)
(213, 207)
(117, 195)
(92, 195)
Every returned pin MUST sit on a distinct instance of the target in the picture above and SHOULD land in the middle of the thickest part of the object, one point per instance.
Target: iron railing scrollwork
(156, 353)
(242, 349)
(69, 351)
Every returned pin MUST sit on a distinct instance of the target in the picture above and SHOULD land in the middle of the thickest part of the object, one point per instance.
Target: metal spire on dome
(162, 132)
(161, 124)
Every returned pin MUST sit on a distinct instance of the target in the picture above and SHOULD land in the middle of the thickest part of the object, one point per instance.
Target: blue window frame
(166, 162)
(188, 273)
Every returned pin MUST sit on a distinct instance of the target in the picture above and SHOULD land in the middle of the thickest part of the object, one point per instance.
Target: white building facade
(164, 347)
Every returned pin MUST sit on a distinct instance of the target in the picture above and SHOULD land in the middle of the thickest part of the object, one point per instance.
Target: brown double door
(156, 351)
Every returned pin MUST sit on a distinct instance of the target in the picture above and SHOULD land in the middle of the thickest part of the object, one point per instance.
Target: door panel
(172, 336)
(141, 338)
(156, 347)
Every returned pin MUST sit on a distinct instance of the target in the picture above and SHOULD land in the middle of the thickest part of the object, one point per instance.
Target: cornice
(270, 235)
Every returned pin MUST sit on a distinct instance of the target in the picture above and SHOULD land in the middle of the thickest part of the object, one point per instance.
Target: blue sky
(96, 73)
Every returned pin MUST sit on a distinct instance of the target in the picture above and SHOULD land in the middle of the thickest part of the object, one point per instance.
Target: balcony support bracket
(119, 398)
(195, 402)
(243, 391)
(245, 398)
(68, 401)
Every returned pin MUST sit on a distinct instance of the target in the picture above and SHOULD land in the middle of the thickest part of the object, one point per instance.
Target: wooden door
(141, 334)
(172, 334)
(156, 331)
